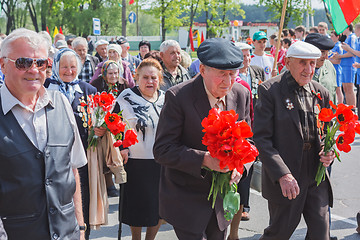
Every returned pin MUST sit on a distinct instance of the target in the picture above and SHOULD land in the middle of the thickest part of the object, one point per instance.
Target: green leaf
(231, 204)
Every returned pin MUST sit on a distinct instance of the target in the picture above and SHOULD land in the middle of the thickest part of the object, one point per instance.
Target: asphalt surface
(345, 182)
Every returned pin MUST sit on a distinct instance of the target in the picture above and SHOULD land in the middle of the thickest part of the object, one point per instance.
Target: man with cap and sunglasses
(286, 135)
(184, 184)
(40, 147)
(325, 72)
(260, 57)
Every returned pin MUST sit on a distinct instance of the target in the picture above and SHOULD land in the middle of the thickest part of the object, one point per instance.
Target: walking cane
(121, 201)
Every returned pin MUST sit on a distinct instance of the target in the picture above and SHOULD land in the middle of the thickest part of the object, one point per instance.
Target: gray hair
(79, 40)
(34, 39)
(78, 60)
(168, 43)
(185, 59)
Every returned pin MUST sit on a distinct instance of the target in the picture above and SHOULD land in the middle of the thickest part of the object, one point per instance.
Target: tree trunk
(43, 13)
(123, 18)
(206, 19)
(32, 12)
(163, 29)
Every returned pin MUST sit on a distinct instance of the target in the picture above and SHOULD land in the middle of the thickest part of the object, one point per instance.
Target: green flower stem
(329, 143)
(231, 198)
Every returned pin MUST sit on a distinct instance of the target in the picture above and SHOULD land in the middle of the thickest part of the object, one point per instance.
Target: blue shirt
(338, 49)
(351, 41)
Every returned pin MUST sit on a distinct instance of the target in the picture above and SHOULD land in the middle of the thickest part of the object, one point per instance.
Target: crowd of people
(53, 187)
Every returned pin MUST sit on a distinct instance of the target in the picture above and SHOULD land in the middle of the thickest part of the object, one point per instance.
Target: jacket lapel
(201, 103)
(290, 104)
(231, 102)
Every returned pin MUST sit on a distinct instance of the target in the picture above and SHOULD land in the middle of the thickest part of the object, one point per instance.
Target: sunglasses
(25, 64)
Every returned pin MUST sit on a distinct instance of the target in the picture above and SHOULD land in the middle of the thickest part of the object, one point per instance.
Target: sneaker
(112, 191)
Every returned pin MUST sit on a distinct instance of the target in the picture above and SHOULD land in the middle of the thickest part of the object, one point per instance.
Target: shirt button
(48, 181)
(55, 236)
(38, 155)
(52, 210)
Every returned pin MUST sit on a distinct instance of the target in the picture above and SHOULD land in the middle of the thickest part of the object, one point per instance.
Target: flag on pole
(343, 12)
(131, 2)
(202, 36)
(56, 31)
(191, 39)
(60, 30)
(47, 29)
(198, 38)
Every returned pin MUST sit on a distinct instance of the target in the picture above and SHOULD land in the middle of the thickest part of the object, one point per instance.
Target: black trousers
(312, 203)
(212, 232)
(85, 196)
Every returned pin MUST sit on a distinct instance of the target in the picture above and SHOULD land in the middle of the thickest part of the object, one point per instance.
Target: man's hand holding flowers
(214, 164)
(328, 158)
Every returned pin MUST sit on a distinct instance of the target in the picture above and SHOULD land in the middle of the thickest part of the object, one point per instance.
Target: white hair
(79, 40)
(168, 43)
(34, 40)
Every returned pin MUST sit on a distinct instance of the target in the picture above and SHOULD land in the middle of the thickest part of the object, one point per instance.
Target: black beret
(220, 53)
(121, 40)
(320, 41)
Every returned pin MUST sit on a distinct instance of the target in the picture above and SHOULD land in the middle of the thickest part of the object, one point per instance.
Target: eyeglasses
(24, 64)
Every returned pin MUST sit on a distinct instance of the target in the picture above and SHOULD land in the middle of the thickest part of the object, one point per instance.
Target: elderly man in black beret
(325, 72)
(184, 184)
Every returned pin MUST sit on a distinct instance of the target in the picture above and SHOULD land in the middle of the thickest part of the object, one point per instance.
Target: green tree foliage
(216, 15)
(168, 12)
(294, 10)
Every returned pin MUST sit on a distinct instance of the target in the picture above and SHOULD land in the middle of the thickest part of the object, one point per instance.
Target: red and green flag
(343, 12)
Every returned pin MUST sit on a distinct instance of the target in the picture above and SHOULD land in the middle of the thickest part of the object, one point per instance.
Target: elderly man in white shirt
(40, 147)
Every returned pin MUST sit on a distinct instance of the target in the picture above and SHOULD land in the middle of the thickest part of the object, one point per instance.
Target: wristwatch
(83, 228)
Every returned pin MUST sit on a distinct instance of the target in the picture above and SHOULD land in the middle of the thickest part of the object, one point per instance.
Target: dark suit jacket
(257, 74)
(278, 134)
(184, 186)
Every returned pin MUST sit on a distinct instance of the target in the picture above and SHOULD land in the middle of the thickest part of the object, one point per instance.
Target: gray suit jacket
(184, 186)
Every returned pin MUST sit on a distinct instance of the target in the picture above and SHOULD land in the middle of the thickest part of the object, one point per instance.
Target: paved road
(346, 185)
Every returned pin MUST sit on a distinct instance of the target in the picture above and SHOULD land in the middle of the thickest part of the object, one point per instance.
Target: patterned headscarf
(105, 67)
(68, 89)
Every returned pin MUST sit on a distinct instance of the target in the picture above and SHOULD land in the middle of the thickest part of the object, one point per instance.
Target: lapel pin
(289, 104)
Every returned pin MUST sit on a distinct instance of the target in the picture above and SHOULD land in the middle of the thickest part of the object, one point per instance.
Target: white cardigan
(143, 117)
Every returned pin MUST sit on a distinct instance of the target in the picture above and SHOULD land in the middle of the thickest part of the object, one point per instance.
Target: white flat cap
(243, 46)
(60, 44)
(303, 50)
(101, 42)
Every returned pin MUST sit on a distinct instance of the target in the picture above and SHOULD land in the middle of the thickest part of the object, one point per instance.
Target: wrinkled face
(218, 82)
(23, 83)
(334, 38)
(112, 75)
(247, 58)
(321, 60)
(144, 49)
(114, 55)
(68, 68)
(260, 44)
(149, 78)
(322, 30)
(172, 56)
(81, 50)
(301, 69)
(102, 50)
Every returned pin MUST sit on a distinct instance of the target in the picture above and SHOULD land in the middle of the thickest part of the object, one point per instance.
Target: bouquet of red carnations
(225, 138)
(99, 107)
(344, 120)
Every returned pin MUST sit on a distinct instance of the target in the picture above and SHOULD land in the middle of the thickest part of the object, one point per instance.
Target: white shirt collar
(8, 101)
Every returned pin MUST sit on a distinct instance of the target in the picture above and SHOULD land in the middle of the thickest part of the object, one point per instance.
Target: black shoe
(112, 192)
(333, 238)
